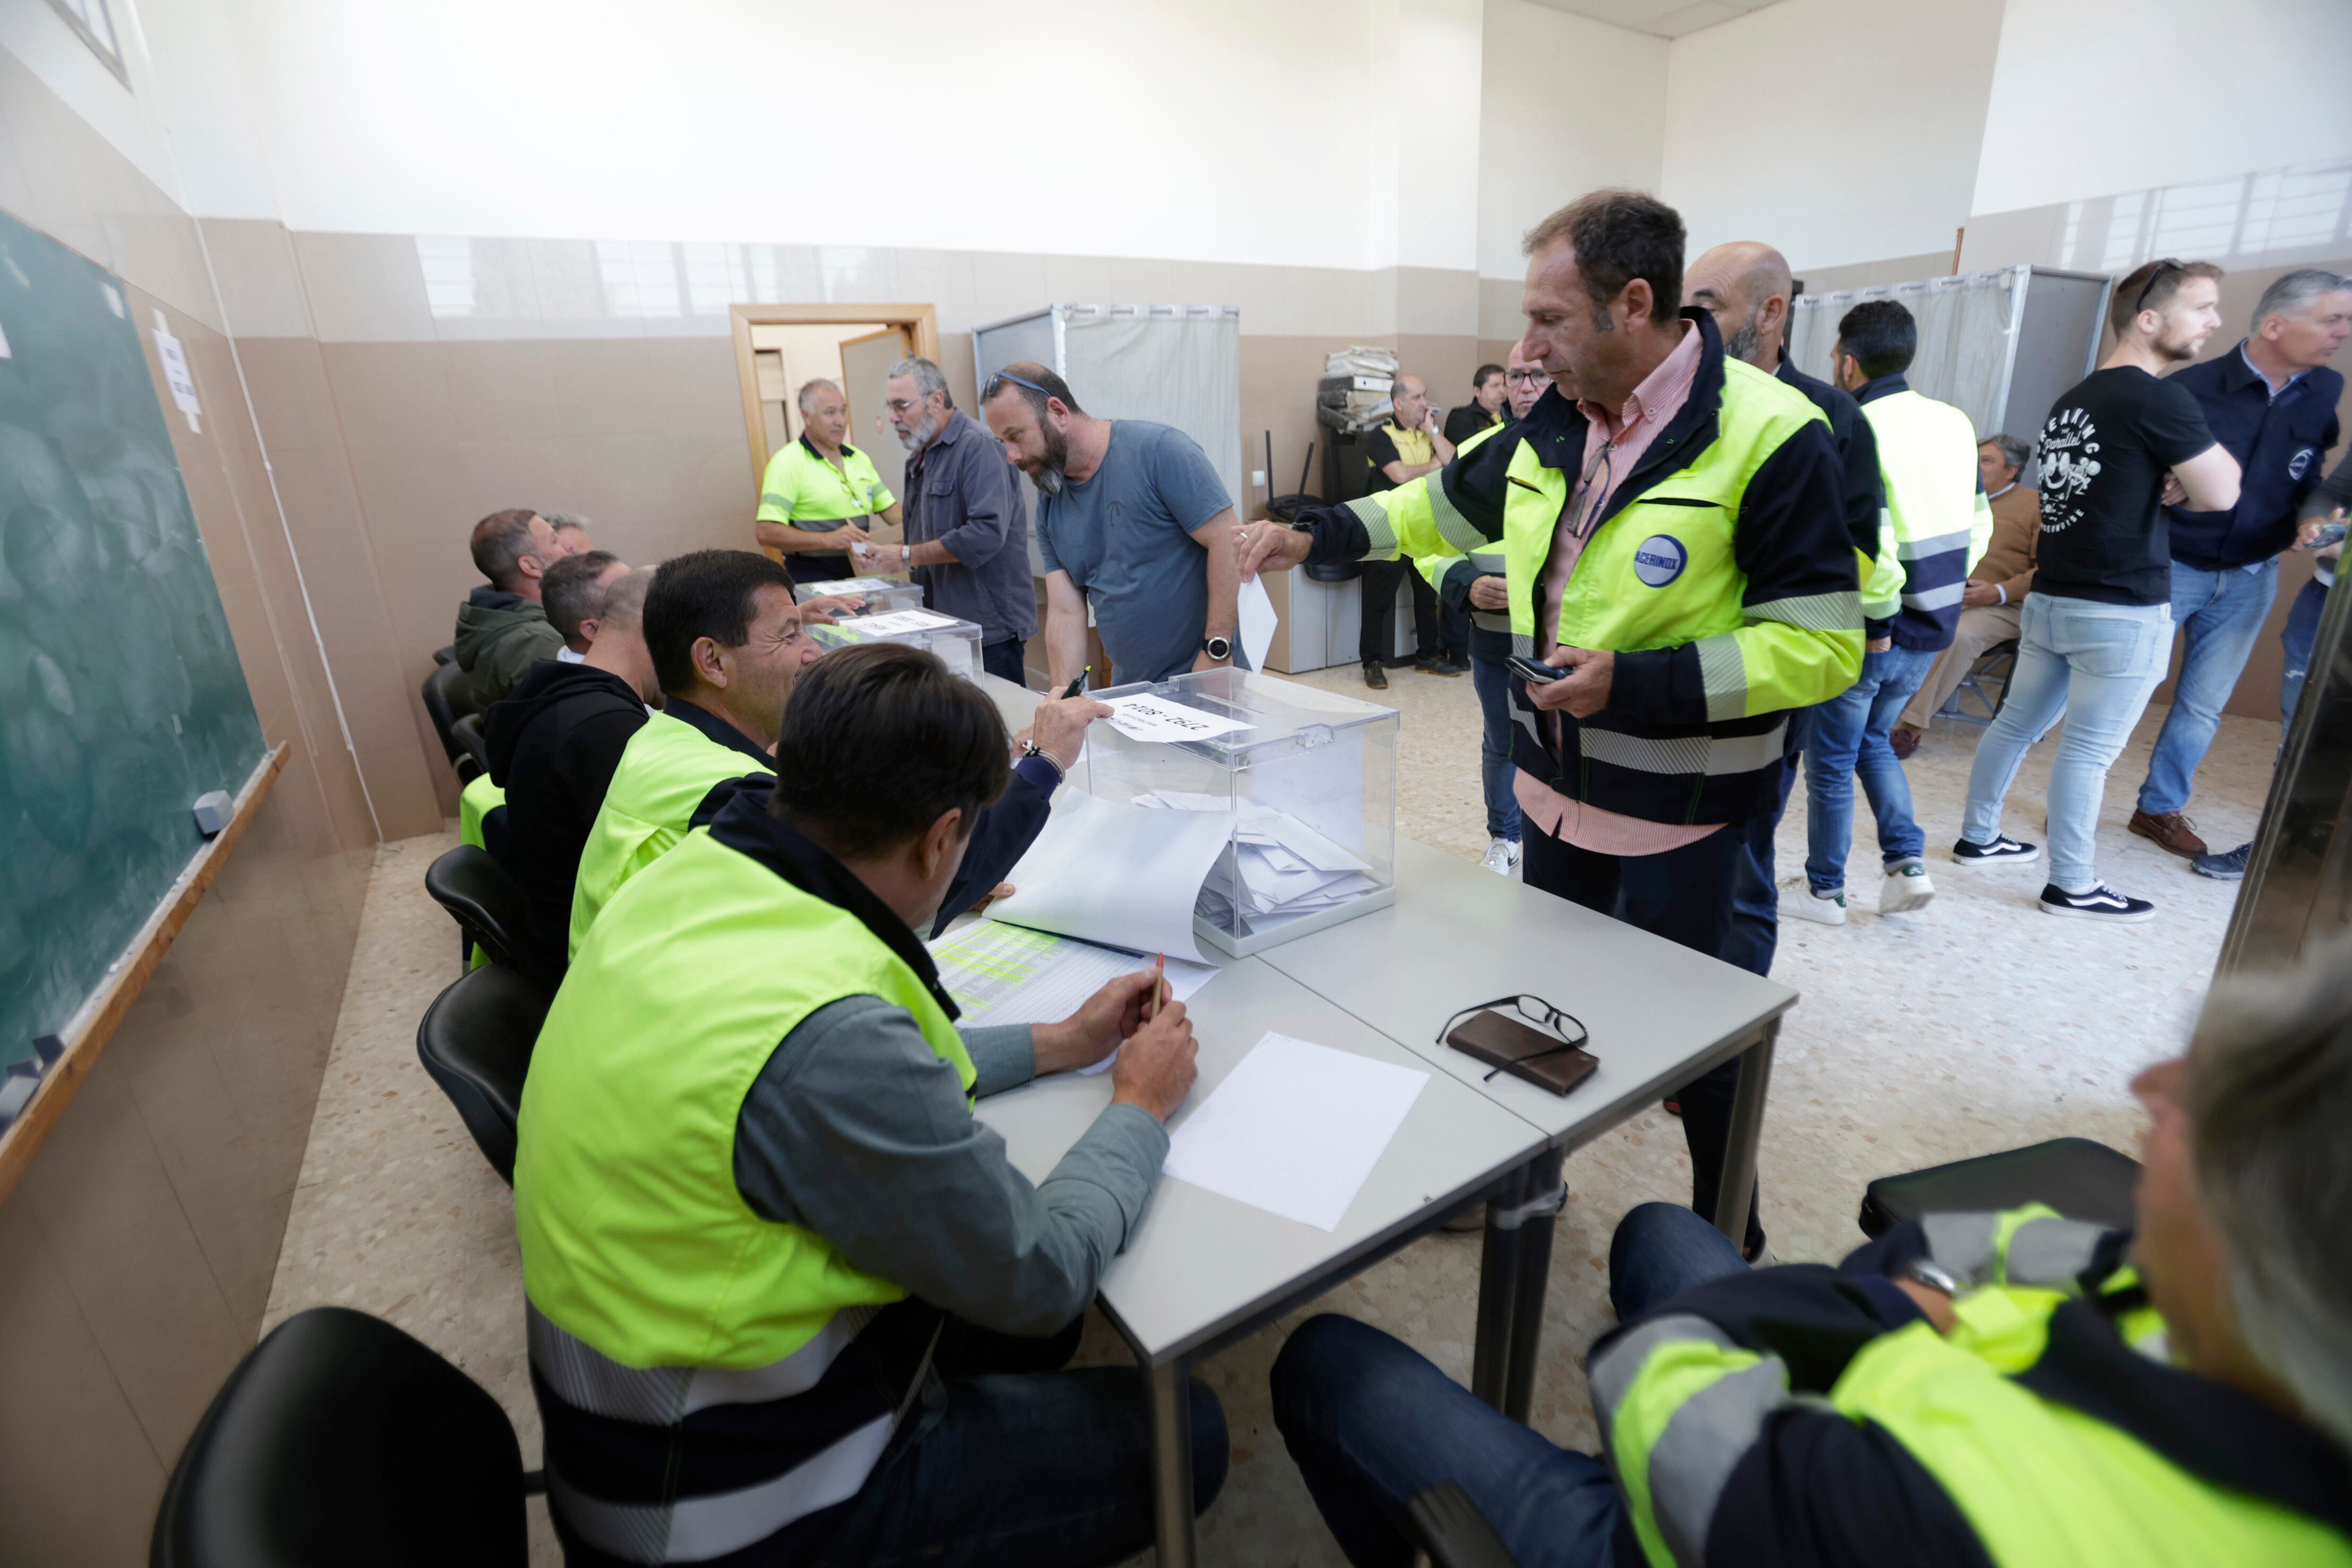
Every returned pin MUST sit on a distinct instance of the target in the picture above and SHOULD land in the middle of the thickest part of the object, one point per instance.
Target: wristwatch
(1933, 1275)
(1217, 647)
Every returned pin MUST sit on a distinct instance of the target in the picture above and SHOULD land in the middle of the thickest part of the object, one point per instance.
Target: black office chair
(447, 655)
(1997, 663)
(340, 1442)
(1448, 1531)
(2079, 1179)
(475, 1040)
(448, 696)
(468, 731)
(487, 904)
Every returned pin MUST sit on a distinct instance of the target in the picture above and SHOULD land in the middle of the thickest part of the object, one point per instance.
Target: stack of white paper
(1279, 866)
(1001, 974)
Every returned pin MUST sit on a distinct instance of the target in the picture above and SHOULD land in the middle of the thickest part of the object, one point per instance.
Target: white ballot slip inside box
(1151, 719)
(1294, 1129)
(1001, 974)
(898, 621)
(1257, 623)
(1117, 874)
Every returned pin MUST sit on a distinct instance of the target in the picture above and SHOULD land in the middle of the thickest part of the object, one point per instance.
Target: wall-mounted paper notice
(1147, 717)
(1258, 621)
(1294, 1130)
(176, 371)
(1103, 871)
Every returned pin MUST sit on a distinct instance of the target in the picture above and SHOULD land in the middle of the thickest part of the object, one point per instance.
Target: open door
(864, 367)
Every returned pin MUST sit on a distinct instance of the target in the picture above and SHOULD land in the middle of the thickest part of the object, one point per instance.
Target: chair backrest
(446, 654)
(2079, 1179)
(339, 1440)
(485, 901)
(468, 732)
(475, 1040)
(448, 696)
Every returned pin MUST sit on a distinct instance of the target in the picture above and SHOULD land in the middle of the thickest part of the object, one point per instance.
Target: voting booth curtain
(1967, 335)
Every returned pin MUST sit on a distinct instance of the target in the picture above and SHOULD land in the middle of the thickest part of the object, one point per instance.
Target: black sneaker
(1376, 677)
(2001, 852)
(2230, 865)
(2102, 903)
(1438, 665)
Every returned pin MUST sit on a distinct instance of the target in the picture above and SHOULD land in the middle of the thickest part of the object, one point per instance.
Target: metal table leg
(1738, 1184)
(1498, 1287)
(1538, 1209)
(1168, 1391)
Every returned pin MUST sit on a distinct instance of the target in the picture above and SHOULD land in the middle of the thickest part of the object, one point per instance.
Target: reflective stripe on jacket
(656, 1291)
(2032, 1423)
(1937, 521)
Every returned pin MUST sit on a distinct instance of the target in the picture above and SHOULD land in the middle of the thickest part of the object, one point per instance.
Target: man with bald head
(1745, 285)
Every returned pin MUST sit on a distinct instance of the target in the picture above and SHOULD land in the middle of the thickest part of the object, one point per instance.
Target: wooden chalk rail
(94, 1023)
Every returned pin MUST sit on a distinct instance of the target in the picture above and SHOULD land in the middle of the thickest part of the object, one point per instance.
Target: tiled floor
(1974, 1025)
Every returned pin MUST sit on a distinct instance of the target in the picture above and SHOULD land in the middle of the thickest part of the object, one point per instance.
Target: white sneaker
(1502, 857)
(1908, 887)
(1798, 899)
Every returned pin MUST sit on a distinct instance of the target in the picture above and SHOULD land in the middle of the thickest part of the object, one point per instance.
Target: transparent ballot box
(956, 642)
(1308, 777)
(882, 594)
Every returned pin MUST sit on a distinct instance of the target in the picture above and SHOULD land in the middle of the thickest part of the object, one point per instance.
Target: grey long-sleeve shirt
(854, 1130)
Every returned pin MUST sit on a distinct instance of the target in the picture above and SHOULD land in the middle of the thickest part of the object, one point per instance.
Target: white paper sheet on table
(900, 621)
(1147, 717)
(1257, 623)
(1121, 874)
(1294, 1129)
(1001, 974)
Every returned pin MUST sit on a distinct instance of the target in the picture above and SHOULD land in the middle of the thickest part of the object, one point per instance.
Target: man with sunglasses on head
(1679, 580)
(2095, 634)
(1132, 523)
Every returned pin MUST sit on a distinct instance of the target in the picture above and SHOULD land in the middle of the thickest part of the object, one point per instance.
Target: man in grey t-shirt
(1131, 520)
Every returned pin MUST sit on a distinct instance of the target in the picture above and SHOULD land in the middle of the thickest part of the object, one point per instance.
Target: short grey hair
(2015, 453)
(928, 377)
(625, 598)
(2293, 293)
(808, 391)
(2269, 1096)
(560, 521)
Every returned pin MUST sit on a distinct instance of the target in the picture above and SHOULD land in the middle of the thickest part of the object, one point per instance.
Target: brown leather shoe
(2172, 832)
(1903, 740)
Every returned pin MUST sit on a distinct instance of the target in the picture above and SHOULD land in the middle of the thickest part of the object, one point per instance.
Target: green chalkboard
(120, 695)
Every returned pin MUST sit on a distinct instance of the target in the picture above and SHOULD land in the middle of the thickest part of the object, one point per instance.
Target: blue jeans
(2219, 614)
(1492, 678)
(1004, 660)
(2296, 638)
(1850, 739)
(1754, 937)
(2094, 666)
(1371, 1423)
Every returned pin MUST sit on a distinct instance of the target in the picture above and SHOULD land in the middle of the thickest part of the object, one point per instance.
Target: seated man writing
(774, 1268)
(1970, 1390)
(727, 644)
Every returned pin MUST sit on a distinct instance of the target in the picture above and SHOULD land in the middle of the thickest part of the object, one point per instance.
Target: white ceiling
(1660, 18)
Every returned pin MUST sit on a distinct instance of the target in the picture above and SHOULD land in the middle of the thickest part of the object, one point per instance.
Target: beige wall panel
(261, 288)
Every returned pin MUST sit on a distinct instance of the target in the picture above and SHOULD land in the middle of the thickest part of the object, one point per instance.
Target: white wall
(1568, 105)
(2097, 97)
(1840, 130)
(1201, 132)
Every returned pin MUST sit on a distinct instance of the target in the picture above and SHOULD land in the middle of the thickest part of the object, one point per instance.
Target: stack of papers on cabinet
(1279, 866)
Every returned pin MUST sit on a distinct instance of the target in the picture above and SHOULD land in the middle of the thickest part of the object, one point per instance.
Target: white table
(1204, 1271)
(1659, 1015)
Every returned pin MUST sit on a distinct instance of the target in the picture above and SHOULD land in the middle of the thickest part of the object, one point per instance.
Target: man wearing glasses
(967, 522)
(1132, 523)
(2095, 634)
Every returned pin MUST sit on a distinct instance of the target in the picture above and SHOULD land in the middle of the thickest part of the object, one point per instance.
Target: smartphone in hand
(2332, 534)
(1534, 671)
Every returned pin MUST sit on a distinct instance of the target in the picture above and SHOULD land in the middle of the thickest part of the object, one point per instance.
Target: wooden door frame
(917, 322)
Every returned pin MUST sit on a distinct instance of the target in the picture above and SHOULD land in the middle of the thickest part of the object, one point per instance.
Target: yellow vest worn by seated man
(663, 773)
(653, 1290)
(2042, 1483)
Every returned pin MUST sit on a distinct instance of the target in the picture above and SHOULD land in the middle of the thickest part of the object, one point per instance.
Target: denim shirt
(962, 493)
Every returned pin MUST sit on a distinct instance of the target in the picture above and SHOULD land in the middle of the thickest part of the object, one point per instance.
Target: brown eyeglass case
(1523, 1052)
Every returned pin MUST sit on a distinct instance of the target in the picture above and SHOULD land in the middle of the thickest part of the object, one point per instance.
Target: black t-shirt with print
(2105, 452)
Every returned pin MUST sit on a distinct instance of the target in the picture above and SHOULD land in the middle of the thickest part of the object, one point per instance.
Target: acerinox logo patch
(2301, 464)
(1659, 560)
